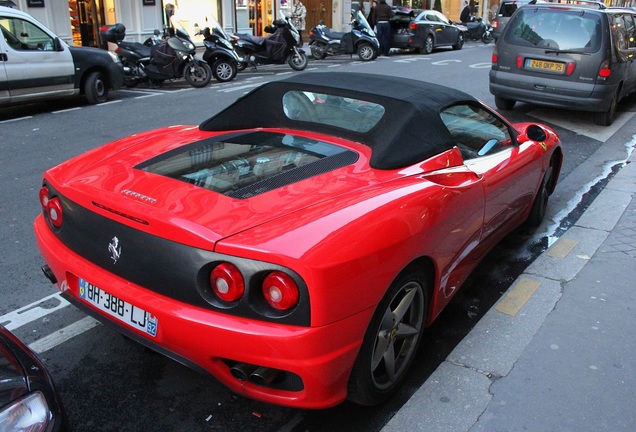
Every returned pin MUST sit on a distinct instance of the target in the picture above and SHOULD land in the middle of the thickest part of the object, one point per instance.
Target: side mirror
(58, 45)
(532, 133)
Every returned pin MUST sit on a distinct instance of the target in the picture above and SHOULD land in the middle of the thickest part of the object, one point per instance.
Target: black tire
(540, 203)
(95, 88)
(224, 70)
(428, 46)
(318, 50)
(460, 42)
(297, 60)
(197, 74)
(241, 66)
(366, 52)
(391, 340)
(504, 104)
(486, 38)
(606, 118)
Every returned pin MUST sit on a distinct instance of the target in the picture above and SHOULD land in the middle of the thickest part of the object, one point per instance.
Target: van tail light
(413, 26)
(227, 282)
(569, 68)
(495, 57)
(52, 206)
(604, 71)
(280, 291)
(519, 62)
(495, 23)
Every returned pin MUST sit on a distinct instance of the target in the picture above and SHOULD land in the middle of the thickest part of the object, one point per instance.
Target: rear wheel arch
(393, 335)
(425, 265)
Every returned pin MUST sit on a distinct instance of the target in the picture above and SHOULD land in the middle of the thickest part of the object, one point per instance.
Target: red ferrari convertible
(295, 245)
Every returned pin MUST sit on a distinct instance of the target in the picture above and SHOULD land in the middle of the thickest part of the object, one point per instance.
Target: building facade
(77, 22)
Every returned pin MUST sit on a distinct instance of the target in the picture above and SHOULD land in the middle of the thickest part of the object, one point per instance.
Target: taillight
(280, 291)
(51, 206)
(495, 23)
(494, 58)
(519, 62)
(44, 197)
(604, 71)
(569, 68)
(413, 26)
(227, 282)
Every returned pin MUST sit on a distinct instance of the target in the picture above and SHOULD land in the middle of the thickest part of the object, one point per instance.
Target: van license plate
(545, 66)
(118, 308)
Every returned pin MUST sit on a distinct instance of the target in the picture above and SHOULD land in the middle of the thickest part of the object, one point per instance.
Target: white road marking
(237, 88)
(16, 119)
(31, 312)
(62, 335)
(66, 110)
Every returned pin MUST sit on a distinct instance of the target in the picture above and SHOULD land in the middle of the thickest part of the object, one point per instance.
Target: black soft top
(411, 129)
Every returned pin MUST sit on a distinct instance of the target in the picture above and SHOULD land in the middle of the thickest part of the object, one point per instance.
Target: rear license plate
(118, 308)
(545, 66)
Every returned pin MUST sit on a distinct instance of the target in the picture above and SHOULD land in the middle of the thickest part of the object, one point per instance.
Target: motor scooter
(134, 56)
(476, 30)
(278, 48)
(171, 58)
(219, 52)
(324, 41)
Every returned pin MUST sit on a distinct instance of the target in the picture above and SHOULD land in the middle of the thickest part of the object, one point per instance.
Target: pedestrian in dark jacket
(382, 15)
(370, 17)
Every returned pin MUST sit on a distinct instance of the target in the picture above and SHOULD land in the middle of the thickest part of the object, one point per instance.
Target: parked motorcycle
(169, 59)
(219, 52)
(278, 48)
(134, 56)
(324, 41)
(476, 30)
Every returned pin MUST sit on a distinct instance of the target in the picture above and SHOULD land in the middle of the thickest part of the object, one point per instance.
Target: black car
(424, 31)
(28, 397)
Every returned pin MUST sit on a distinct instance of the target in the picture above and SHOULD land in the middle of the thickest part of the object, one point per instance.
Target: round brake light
(54, 210)
(227, 282)
(280, 291)
(44, 197)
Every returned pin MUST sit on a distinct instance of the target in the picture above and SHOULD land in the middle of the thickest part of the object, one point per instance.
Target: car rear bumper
(551, 92)
(314, 361)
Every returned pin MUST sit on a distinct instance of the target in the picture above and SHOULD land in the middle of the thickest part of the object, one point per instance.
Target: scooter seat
(333, 34)
(139, 48)
(256, 40)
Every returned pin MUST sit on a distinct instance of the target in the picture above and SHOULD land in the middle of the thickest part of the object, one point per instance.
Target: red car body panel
(347, 233)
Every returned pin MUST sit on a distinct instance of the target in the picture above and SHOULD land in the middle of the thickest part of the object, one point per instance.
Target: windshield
(362, 21)
(555, 30)
(215, 27)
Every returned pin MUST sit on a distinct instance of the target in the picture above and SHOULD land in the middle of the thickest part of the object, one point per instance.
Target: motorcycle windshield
(215, 27)
(362, 21)
(283, 16)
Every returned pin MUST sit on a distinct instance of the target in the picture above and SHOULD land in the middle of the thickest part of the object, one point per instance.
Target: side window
(475, 131)
(22, 35)
(630, 30)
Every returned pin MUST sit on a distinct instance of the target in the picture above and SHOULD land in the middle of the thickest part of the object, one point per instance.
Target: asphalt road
(111, 384)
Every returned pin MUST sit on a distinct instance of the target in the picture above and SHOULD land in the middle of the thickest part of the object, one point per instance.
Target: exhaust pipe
(242, 371)
(49, 274)
(264, 376)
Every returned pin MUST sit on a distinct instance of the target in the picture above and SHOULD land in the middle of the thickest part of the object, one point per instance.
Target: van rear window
(555, 30)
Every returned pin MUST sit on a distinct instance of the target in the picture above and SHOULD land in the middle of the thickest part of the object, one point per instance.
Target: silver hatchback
(566, 56)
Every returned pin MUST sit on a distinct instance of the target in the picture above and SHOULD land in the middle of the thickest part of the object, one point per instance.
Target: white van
(36, 65)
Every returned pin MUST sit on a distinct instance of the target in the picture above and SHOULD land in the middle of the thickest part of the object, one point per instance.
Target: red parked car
(295, 245)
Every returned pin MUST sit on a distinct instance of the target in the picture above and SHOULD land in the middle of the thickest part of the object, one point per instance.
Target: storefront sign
(149, 2)
(35, 3)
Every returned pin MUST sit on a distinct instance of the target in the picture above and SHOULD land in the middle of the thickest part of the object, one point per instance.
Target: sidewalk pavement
(558, 351)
